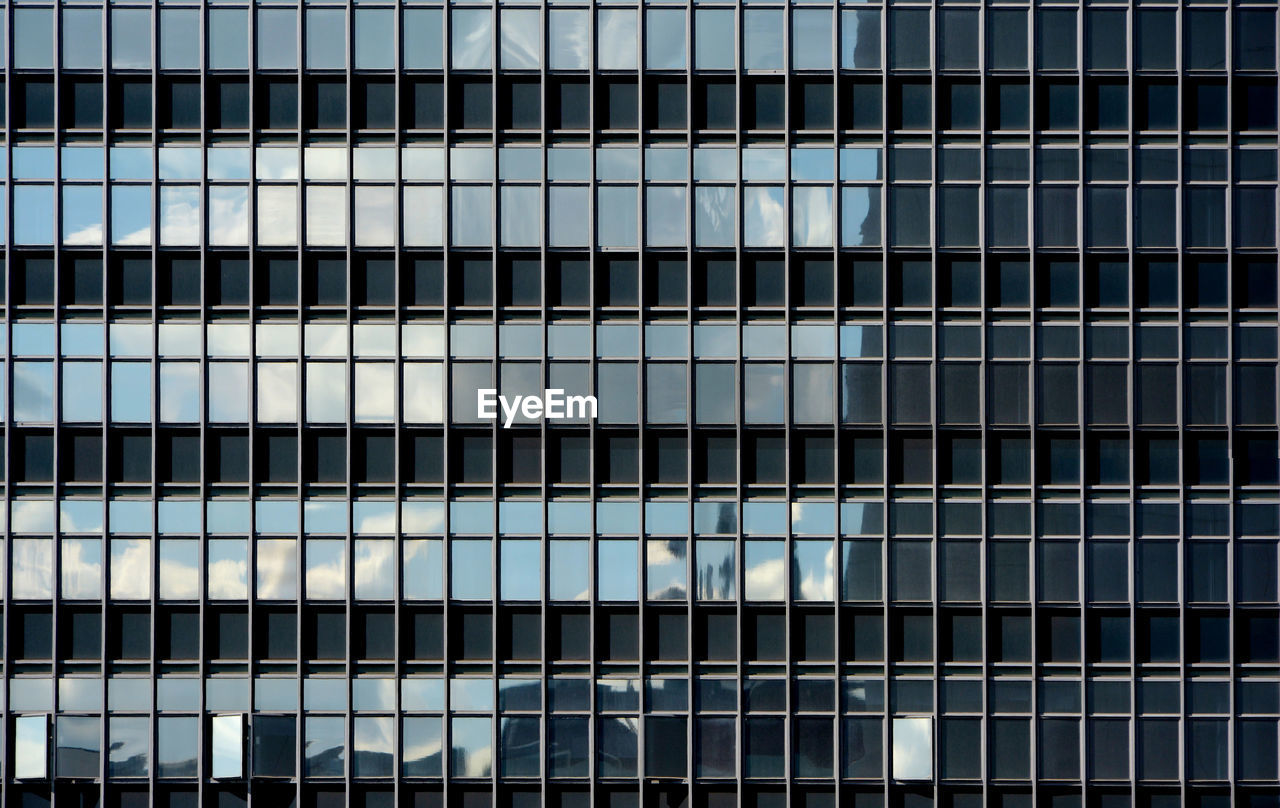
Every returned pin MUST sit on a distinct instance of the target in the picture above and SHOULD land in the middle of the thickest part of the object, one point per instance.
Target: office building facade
(933, 350)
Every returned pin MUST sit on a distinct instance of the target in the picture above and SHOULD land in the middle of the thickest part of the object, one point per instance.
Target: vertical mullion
(545, 435)
(300, 554)
(154, 556)
(446, 540)
(6, 589)
(349, 558)
(738, 407)
(399, 264)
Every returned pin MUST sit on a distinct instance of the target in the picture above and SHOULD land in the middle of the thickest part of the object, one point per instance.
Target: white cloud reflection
(765, 570)
(912, 749)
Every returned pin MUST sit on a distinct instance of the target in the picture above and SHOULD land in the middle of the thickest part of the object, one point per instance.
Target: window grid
(1225, 446)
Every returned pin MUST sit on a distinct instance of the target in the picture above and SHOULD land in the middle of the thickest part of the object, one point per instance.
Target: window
(78, 746)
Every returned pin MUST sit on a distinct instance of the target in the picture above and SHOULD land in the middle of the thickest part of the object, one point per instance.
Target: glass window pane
(423, 40)
(228, 217)
(664, 39)
(520, 560)
(471, 754)
(715, 569)
(180, 392)
(326, 39)
(422, 747)
(813, 570)
(374, 569)
(229, 38)
(617, 575)
(472, 38)
(763, 217)
(471, 569)
(375, 388)
(763, 394)
(762, 31)
(811, 39)
(811, 217)
(130, 38)
(521, 224)
(277, 392)
(33, 214)
(912, 748)
(277, 215)
(325, 747)
(33, 38)
(521, 40)
(228, 745)
(765, 570)
(31, 570)
(570, 570)
(277, 38)
(326, 215)
(30, 747)
(130, 215)
(714, 34)
(665, 217)
(82, 569)
(179, 569)
(568, 33)
(909, 38)
(373, 744)
(666, 571)
(423, 220)
(131, 569)
(616, 39)
(276, 569)
(326, 569)
(423, 569)
(227, 563)
(128, 741)
(78, 746)
(617, 747)
(82, 37)
(567, 208)
(374, 31)
(472, 213)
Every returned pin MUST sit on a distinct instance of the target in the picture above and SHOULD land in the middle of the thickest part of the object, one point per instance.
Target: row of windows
(760, 104)
(568, 794)
(816, 393)
(565, 163)
(617, 39)
(475, 574)
(1008, 516)
(720, 215)
(662, 280)
(1108, 693)
(863, 754)
(1104, 694)
(908, 339)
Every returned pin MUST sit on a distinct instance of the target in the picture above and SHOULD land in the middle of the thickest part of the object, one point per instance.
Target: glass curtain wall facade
(935, 354)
